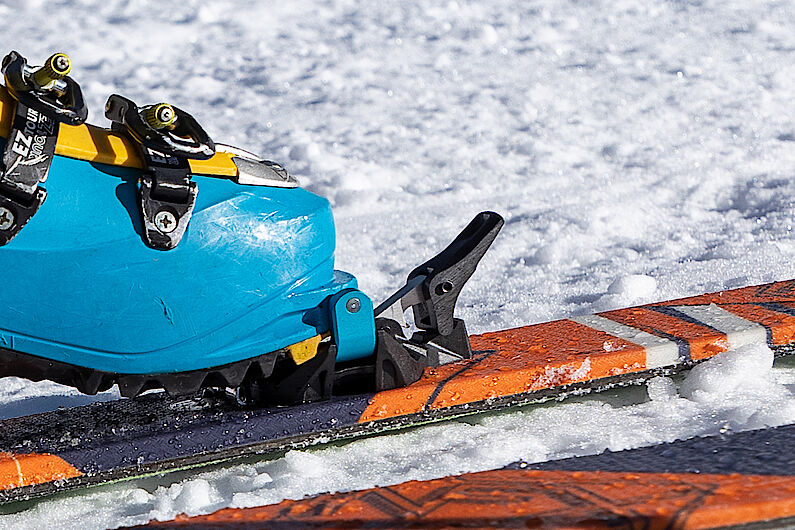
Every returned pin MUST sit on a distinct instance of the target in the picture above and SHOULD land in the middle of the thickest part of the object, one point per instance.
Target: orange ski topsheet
(530, 499)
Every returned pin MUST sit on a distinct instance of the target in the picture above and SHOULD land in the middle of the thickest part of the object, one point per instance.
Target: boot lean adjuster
(45, 97)
(169, 138)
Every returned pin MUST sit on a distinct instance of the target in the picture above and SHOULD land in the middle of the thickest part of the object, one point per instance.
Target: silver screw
(353, 305)
(62, 62)
(166, 114)
(6, 218)
(165, 221)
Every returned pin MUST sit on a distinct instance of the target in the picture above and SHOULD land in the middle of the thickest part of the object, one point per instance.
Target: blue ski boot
(150, 257)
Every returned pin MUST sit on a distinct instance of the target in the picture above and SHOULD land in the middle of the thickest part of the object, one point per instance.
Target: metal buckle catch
(169, 137)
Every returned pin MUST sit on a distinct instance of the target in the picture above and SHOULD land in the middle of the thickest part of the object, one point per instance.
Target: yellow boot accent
(304, 350)
(95, 144)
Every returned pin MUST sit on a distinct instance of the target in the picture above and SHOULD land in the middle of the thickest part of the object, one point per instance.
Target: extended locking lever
(431, 291)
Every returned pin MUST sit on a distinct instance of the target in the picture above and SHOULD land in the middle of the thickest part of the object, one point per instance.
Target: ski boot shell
(82, 288)
(147, 256)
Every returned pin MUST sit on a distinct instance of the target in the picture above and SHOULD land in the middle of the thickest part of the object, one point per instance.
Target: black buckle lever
(169, 137)
(45, 98)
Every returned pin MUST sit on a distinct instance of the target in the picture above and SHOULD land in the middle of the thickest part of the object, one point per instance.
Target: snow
(627, 290)
(638, 151)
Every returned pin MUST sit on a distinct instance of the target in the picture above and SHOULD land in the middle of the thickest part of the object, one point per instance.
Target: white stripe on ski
(659, 351)
(738, 330)
(19, 470)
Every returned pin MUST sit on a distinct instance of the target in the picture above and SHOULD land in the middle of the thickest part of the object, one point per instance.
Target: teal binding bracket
(353, 324)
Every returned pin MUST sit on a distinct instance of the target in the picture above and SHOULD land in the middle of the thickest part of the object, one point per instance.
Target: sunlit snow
(639, 151)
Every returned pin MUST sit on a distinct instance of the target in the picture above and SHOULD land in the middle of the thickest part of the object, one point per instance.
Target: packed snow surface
(639, 151)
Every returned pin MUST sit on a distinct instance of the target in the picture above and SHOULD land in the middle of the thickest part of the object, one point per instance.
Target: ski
(105, 442)
(728, 480)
